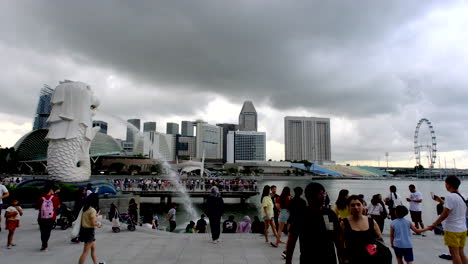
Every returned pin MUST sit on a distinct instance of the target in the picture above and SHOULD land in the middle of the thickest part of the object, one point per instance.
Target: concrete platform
(149, 246)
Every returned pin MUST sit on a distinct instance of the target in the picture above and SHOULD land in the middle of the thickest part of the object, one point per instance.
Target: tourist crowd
(157, 184)
(348, 231)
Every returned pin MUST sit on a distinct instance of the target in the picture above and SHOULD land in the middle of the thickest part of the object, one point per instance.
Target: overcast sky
(374, 67)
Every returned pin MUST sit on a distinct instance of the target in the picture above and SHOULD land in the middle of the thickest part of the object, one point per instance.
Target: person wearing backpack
(47, 206)
(453, 218)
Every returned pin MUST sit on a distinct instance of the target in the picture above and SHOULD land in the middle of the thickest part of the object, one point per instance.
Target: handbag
(76, 225)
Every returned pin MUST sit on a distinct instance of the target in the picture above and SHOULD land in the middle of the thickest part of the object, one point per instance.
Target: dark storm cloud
(315, 54)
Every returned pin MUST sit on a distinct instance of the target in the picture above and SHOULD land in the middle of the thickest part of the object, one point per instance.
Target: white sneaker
(215, 241)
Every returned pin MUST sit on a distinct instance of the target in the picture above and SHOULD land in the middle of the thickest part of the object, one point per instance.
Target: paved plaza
(149, 246)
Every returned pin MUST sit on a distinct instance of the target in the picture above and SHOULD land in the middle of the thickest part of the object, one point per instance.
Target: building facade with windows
(209, 141)
(248, 117)
(43, 108)
(187, 128)
(149, 126)
(307, 138)
(172, 128)
(186, 147)
(159, 146)
(246, 146)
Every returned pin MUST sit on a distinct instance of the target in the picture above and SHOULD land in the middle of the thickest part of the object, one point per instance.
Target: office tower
(133, 127)
(102, 125)
(43, 108)
(172, 129)
(186, 147)
(187, 128)
(307, 138)
(149, 126)
(226, 129)
(248, 117)
(209, 140)
(159, 146)
(246, 146)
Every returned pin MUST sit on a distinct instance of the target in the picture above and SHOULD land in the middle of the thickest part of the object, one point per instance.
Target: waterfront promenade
(150, 246)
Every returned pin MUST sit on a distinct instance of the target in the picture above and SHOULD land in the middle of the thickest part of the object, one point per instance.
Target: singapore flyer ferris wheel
(425, 146)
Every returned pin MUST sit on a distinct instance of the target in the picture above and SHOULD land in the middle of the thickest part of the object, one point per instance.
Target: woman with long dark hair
(376, 211)
(88, 224)
(282, 203)
(341, 205)
(392, 201)
(358, 236)
(267, 212)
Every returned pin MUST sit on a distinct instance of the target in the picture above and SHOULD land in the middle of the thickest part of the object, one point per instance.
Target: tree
(288, 172)
(233, 170)
(307, 164)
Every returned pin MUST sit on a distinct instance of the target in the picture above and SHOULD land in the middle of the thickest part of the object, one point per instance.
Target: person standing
(282, 203)
(47, 206)
(276, 211)
(88, 224)
(171, 217)
(12, 215)
(454, 219)
(317, 228)
(415, 207)
(375, 211)
(3, 194)
(392, 201)
(341, 205)
(400, 236)
(267, 212)
(214, 211)
(358, 237)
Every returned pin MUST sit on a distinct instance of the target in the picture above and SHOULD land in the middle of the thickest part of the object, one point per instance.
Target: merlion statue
(71, 132)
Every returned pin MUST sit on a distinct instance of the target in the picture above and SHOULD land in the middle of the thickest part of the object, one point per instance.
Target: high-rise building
(248, 117)
(102, 125)
(158, 146)
(187, 128)
(133, 128)
(226, 129)
(43, 108)
(172, 128)
(246, 146)
(149, 126)
(209, 140)
(186, 147)
(307, 138)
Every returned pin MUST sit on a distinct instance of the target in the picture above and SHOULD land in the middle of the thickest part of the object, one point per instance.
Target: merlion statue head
(71, 132)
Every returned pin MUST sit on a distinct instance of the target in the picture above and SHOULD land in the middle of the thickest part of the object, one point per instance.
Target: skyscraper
(187, 128)
(209, 140)
(102, 125)
(172, 128)
(149, 126)
(307, 138)
(43, 108)
(248, 117)
(226, 129)
(133, 127)
(246, 146)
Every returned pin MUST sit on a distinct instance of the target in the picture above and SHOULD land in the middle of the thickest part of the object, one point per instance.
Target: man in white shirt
(454, 220)
(415, 207)
(3, 194)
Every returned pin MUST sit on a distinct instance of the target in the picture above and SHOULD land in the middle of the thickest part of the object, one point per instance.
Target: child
(12, 216)
(400, 235)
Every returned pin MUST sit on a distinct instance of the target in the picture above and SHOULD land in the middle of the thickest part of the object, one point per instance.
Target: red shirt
(55, 202)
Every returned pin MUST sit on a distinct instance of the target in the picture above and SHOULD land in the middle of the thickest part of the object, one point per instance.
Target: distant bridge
(242, 195)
